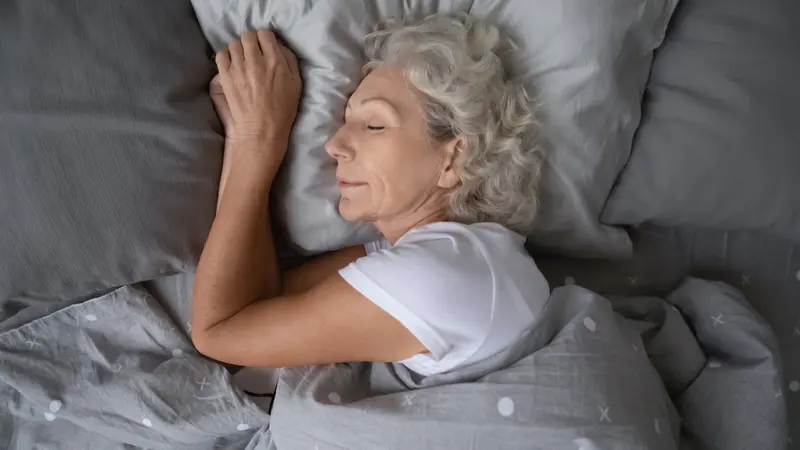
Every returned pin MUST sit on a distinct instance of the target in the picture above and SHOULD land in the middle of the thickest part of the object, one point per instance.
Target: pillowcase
(588, 61)
(110, 149)
(720, 143)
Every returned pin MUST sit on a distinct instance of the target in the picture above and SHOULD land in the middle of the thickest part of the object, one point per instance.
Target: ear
(450, 175)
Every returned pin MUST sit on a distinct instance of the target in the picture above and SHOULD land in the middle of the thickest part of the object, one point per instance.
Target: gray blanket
(698, 370)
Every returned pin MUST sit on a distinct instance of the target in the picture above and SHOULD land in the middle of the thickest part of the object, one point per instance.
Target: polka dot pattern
(505, 406)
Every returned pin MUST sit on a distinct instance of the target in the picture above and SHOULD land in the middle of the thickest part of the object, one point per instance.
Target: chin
(348, 210)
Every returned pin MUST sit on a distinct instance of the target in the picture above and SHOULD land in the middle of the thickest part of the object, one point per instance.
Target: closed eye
(375, 128)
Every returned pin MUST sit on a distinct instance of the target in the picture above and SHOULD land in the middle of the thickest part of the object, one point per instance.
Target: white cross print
(33, 343)
(796, 331)
(408, 398)
(304, 375)
(203, 383)
(604, 414)
(778, 393)
(745, 279)
(303, 379)
(717, 320)
(633, 280)
(189, 327)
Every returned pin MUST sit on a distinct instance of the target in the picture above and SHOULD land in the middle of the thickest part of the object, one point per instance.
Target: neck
(393, 229)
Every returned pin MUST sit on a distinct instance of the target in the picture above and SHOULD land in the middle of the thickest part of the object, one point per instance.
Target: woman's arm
(238, 264)
(261, 84)
(330, 323)
(238, 313)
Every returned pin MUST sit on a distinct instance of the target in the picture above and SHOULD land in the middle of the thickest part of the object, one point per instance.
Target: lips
(343, 183)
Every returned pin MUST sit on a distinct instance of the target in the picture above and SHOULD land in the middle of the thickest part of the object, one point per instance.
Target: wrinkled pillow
(110, 148)
(588, 61)
(719, 145)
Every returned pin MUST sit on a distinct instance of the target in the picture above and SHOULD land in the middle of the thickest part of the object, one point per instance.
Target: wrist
(261, 134)
(255, 158)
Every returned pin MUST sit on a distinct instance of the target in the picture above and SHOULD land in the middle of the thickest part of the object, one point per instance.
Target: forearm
(238, 264)
(226, 169)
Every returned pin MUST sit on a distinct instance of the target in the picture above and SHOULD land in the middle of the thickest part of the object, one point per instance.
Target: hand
(220, 103)
(261, 84)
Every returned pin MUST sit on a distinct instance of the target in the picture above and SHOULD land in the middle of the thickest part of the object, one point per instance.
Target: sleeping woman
(436, 149)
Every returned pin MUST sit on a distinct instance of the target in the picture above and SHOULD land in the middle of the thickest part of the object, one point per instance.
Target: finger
(223, 80)
(223, 110)
(236, 53)
(291, 61)
(215, 87)
(252, 49)
(223, 60)
(269, 46)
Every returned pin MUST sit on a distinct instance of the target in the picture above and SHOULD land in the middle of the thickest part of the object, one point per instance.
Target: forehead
(388, 82)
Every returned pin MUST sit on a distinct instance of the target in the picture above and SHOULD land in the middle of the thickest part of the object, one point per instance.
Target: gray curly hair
(456, 66)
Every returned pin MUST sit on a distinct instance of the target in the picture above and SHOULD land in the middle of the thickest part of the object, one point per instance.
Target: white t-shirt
(466, 292)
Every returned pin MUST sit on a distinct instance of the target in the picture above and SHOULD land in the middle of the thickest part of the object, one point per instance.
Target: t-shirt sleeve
(375, 246)
(435, 286)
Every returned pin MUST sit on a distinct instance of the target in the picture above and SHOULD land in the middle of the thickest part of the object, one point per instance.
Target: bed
(669, 231)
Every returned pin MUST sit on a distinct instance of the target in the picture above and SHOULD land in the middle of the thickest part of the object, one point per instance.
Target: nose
(338, 147)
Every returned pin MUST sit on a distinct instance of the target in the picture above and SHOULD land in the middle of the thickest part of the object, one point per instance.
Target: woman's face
(387, 167)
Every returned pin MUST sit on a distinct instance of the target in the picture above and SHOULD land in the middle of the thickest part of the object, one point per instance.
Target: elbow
(216, 347)
(220, 348)
(205, 345)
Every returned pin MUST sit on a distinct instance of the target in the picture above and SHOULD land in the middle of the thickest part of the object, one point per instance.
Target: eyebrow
(380, 99)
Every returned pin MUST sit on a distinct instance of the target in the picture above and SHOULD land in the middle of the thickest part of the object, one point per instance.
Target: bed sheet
(766, 269)
(117, 372)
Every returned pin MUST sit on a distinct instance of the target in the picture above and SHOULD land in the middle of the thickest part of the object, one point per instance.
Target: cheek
(400, 174)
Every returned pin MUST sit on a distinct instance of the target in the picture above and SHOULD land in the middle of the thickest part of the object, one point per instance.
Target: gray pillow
(109, 145)
(719, 145)
(588, 61)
